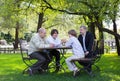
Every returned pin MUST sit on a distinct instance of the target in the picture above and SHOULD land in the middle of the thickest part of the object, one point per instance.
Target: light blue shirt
(56, 42)
(76, 46)
(36, 43)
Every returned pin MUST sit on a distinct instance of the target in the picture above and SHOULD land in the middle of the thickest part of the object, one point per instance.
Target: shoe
(40, 71)
(56, 70)
(89, 71)
(29, 71)
(75, 73)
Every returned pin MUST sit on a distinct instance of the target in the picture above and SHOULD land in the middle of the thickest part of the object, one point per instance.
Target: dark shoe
(56, 70)
(40, 71)
(89, 70)
(29, 71)
(75, 73)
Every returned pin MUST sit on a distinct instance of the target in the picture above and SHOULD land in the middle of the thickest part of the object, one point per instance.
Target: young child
(77, 50)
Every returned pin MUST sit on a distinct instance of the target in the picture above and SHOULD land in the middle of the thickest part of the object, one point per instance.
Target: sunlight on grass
(12, 66)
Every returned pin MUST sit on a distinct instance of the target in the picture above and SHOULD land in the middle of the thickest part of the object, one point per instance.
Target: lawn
(11, 67)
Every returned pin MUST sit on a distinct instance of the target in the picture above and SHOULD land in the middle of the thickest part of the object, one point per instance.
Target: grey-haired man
(38, 41)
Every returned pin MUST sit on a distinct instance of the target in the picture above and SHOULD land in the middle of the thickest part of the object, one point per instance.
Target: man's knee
(57, 56)
(42, 59)
(58, 53)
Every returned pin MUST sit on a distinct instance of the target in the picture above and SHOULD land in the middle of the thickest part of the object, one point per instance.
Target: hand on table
(63, 40)
(52, 45)
(87, 52)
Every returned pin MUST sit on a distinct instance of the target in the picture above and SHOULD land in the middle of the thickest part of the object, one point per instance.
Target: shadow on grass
(16, 75)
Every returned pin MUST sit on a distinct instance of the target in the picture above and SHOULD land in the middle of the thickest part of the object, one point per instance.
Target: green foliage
(26, 13)
(107, 48)
(7, 36)
(27, 36)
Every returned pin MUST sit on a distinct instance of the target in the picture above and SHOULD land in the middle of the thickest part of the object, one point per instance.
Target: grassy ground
(11, 67)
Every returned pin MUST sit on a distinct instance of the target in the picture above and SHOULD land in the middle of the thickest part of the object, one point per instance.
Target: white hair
(84, 27)
(41, 30)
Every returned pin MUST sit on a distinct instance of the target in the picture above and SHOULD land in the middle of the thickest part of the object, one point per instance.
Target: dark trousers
(88, 65)
(42, 60)
(56, 53)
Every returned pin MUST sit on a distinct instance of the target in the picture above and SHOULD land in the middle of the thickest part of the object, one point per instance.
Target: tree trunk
(91, 28)
(116, 39)
(99, 24)
(101, 38)
(40, 20)
(17, 27)
(16, 35)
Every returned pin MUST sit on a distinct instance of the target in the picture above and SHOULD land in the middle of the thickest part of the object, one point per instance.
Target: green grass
(11, 67)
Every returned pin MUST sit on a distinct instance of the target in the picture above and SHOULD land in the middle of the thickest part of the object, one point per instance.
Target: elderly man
(36, 42)
(86, 39)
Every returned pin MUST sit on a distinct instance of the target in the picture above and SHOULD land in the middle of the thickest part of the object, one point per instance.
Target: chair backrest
(23, 48)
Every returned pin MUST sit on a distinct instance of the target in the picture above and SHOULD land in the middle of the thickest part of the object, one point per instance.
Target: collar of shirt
(84, 35)
(53, 38)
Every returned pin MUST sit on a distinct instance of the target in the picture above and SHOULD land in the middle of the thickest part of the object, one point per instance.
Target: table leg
(62, 59)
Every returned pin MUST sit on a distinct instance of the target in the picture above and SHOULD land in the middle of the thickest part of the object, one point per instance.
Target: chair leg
(90, 73)
(25, 70)
(62, 68)
(97, 68)
(85, 69)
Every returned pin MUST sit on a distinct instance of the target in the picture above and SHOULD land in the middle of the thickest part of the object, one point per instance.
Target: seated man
(53, 39)
(86, 39)
(36, 42)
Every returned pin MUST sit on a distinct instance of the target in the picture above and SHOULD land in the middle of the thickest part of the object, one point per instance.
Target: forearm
(90, 46)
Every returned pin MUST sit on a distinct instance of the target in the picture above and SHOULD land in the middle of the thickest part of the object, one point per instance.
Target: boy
(77, 50)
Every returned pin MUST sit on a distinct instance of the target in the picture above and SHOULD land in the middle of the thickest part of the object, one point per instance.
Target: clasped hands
(63, 41)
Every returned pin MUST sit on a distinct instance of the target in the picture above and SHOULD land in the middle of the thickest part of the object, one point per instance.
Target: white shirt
(56, 42)
(76, 46)
(37, 42)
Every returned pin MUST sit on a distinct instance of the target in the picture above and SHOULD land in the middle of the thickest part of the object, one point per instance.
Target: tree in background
(61, 14)
(93, 12)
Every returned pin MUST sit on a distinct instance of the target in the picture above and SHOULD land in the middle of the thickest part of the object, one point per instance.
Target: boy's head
(72, 33)
(54, 33)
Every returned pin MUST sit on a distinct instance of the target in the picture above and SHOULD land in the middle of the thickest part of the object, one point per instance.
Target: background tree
(91, 10)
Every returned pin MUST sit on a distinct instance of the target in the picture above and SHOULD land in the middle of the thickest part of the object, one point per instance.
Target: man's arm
(68, 43)
(39, 44)
(50, 41)
(91, 41)
(79, 38)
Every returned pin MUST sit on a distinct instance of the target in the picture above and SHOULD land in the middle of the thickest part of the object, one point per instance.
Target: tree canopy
(29, 15)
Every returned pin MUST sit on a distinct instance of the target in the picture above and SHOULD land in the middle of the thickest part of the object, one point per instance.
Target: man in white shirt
(38, 41)
(53, 39)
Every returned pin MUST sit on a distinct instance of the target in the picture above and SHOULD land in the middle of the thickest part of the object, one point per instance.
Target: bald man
(36, 42)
